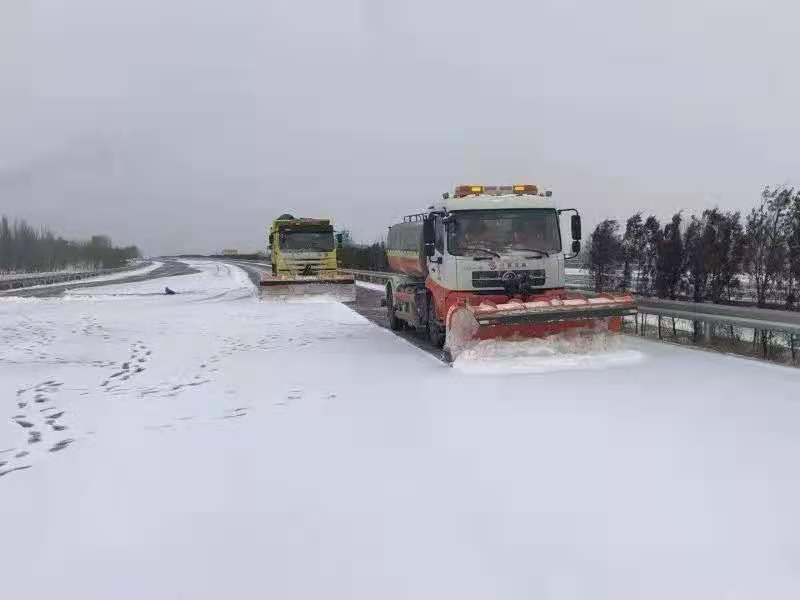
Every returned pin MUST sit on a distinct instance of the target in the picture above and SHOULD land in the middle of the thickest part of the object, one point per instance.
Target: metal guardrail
(32, 279)
(370, 276)
(741, 316)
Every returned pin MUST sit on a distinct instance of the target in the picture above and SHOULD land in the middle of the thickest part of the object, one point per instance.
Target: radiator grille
(494, 279)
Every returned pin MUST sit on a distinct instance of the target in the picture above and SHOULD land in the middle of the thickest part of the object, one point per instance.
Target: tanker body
(406, 248)
(488, 262)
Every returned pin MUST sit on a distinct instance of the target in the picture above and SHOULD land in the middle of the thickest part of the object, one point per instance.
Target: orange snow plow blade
(469, 323)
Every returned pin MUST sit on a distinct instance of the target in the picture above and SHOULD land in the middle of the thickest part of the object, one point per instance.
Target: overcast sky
(187, 125)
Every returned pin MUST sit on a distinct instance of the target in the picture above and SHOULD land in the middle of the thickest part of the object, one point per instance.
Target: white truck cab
(480, 239)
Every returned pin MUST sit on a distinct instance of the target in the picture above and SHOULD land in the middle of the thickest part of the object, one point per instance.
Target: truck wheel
(435, 331)
(394, 323)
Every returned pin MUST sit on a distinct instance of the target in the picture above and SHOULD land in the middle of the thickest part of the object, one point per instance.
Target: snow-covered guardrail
(23, 280)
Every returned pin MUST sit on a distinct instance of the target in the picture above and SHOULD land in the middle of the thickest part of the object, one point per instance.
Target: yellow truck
(304, 259)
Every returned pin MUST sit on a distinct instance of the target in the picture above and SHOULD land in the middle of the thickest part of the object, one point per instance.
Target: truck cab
(485, 249)
(303, 247)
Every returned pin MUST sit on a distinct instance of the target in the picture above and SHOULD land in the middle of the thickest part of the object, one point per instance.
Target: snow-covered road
(212, 445)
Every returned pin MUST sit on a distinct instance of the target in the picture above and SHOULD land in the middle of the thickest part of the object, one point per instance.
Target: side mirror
(428, 236)
(575, 223)
(338, 241)
(576, 247)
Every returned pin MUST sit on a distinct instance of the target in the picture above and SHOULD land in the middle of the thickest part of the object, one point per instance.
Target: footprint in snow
(236, 412)
(60, 445)
(12, 469)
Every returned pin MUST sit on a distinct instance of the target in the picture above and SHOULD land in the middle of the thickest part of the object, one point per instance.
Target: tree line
(24, 248)
(364, 257)
(717, 256)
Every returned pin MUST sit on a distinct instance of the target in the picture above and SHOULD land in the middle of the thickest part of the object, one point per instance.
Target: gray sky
(188, 125)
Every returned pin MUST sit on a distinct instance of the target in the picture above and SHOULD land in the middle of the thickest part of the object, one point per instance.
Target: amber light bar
(496, 190)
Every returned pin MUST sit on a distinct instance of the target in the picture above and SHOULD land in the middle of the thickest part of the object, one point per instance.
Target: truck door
(436, 261)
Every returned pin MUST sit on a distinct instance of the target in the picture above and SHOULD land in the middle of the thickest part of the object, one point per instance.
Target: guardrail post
(707, 331)
(659, 327)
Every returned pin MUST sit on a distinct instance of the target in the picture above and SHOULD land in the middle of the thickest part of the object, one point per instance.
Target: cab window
(438, 232)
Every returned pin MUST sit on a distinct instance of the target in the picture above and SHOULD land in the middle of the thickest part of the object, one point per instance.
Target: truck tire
(436, 332)
(394, 323)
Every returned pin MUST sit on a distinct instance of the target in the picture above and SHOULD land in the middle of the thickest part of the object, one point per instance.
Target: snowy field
(210, 445)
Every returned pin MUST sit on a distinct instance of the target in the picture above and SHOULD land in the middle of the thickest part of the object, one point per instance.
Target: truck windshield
(476, 231)
(308, 241)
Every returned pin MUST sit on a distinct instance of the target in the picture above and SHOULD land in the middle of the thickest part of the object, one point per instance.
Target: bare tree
(793, 251)
(670, 263)
(605, 254)
(633, 249)
(6, 245)
(724, 252)
(649, 258)
(765, 242)
(694, 243)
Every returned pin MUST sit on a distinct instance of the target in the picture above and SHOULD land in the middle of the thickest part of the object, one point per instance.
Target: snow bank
(213, 445)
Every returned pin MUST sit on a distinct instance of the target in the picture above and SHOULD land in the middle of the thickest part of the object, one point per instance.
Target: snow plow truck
(487, 262)
(304, 260)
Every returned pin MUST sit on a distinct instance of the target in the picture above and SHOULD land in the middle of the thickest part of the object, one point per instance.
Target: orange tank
(405, 249)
